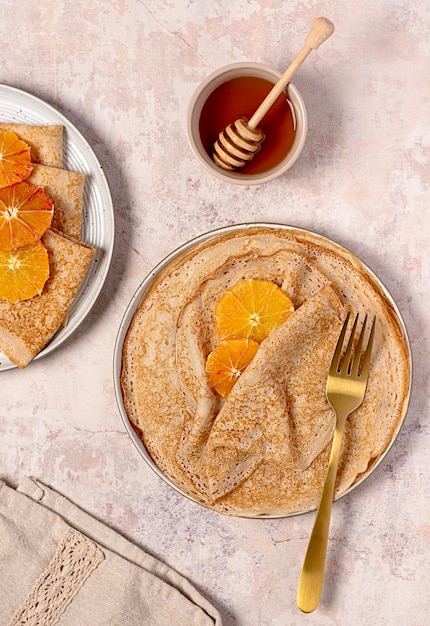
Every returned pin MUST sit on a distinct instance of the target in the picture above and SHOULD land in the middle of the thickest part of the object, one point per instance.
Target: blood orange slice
(25, 214)
(15, 161)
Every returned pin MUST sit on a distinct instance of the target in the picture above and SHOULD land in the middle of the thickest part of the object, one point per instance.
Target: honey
(241, 97)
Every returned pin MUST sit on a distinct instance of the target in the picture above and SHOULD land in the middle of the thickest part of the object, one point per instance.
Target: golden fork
(345, 389)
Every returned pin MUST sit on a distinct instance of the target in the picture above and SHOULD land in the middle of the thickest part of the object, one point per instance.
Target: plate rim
(137, 298)
(100, 265)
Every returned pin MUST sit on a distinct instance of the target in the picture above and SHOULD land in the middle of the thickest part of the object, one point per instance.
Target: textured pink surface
(123, 73)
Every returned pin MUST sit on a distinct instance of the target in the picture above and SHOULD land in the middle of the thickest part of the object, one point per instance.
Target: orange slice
(15, 161)
(25, 214)
(23, 272)
(226, 363)
(251, 309)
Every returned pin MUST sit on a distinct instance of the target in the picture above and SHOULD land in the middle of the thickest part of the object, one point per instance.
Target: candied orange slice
(251, 309)
(15, 161)
(23, 272)
(25, 214)
(225, 364)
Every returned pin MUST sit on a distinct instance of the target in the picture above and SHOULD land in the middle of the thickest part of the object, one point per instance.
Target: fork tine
(345, 369)
(366, 363)
(336, 357)
(357, 357)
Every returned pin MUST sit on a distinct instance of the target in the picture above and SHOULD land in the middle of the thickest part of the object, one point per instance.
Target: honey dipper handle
(321, 30)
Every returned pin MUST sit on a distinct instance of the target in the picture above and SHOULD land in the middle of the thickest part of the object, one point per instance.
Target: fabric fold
(56, 555)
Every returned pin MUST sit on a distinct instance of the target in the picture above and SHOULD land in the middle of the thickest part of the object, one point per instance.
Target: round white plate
(140, 295)
(98, 219)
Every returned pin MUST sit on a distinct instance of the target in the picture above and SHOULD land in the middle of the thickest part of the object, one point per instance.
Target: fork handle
(312, 574)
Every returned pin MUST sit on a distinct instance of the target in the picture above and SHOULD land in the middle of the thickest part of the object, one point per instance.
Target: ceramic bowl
(198, 100)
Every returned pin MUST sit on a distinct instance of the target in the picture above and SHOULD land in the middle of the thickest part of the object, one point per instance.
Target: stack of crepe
(26, 327)
(263, 449)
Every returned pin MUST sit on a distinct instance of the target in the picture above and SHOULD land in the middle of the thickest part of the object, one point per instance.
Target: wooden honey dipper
(239, 142)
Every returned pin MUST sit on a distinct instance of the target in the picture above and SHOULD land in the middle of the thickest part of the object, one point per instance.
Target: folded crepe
(60, 565)
(26, 327)
(196, 337)
(66, 190)
(277, 412)
(265, 448)
(46, 142)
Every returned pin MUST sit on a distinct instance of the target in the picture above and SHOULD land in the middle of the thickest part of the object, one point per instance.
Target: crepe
(195, 338)
(265, 448)
(46, 142)
(26, 327)
(66, 190)
(266, 417)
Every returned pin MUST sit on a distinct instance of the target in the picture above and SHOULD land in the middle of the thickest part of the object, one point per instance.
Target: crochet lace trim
(74, 560)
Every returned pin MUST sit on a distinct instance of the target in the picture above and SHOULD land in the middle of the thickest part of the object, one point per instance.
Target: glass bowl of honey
(235, 91)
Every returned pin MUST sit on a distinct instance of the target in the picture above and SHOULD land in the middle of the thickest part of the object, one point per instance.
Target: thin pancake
(175, 412)
(267, 416)
(196, 338)
(66, 190)
(46, 142)
(26, 327)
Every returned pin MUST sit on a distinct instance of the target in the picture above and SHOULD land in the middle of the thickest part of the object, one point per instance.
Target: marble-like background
(123, 72)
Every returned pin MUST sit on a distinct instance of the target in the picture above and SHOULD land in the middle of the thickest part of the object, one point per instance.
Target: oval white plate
(98, 219)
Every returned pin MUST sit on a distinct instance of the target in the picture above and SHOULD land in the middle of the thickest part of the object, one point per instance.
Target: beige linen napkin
(59, 565)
